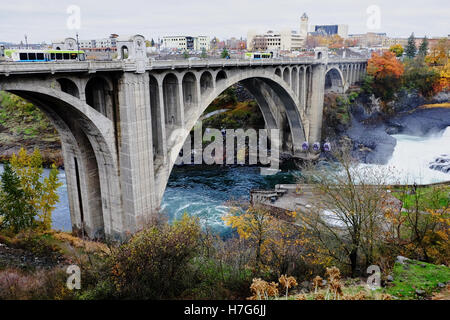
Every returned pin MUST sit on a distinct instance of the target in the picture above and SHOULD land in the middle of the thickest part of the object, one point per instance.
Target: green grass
(428, 197)
(416, 275)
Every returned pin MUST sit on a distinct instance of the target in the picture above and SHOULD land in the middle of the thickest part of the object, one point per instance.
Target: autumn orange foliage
(386, 65)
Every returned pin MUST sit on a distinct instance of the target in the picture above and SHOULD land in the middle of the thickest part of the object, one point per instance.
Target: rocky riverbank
(371, 131)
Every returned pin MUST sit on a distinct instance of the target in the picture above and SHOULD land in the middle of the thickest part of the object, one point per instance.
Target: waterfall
(412, 156)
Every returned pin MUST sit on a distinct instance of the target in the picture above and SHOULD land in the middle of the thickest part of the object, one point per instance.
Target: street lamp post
(78, 48)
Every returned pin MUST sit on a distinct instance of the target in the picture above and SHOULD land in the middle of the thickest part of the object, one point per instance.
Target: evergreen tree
(16, 212)
(225, 54)
(411, 49)
(204, 54)
(423, 48)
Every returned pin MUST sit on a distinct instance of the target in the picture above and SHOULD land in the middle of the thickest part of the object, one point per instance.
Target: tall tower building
(304, 25)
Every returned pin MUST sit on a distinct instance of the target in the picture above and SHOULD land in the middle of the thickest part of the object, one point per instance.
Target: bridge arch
(221, 75)
(206, 82)
(249, 79)
(124, 52)
(98, 93)
(190, 96)
(278, 72)
(334, 80)
(68, 86)
(171, 101)
(294, 77)
(88, 150)
(287, 75)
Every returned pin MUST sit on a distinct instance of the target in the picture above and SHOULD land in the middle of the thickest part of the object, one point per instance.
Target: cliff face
(370, 129)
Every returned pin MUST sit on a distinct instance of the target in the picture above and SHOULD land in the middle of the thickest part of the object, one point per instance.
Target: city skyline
(48, 20)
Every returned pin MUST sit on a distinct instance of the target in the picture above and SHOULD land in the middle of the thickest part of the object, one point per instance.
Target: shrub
(43, 285)
(421, 77)
(155, 263)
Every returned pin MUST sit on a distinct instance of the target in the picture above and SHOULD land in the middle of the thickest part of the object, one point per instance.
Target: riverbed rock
(421, 121)
(402, 259)
(441, 163)
(420, 292)
(371, 142)
(390, 278)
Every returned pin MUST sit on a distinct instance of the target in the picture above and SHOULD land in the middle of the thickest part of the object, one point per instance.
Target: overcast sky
(46, 20)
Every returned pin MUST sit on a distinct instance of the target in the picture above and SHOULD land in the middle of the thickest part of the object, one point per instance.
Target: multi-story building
(330, 30)
(100, 45)
(284, 40)
(185, 42)
(369, 39)
(235, 44)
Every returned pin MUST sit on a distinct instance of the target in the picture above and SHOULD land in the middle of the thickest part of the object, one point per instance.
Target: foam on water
(412, 156)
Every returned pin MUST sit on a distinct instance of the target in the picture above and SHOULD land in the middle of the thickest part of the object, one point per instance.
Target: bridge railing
(129, 65)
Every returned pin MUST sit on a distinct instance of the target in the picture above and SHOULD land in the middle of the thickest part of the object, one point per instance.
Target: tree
(225, 54)
(423, 48)
(275, 242)
(36, 195)
(422, 226)
(397, 49)
(438, 55)
(16, 212)
(411, 49)
(418, 75)
(186, 54)
(385, 75)
(347, 213)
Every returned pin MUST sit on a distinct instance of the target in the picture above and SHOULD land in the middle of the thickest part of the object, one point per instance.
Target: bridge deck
(7, 68)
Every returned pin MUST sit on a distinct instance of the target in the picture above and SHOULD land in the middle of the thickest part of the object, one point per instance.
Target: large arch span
(275, 97)
(87, 139)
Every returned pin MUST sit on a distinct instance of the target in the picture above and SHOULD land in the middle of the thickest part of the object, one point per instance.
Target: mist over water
(203, 191)
(412, 156)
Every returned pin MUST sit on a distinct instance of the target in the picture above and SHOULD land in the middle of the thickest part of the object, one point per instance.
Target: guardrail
(9, 67)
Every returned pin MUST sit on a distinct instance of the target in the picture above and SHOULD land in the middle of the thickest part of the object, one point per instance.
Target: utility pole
(78, 48)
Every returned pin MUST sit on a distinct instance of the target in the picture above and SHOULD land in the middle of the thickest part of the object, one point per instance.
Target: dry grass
(86, 245)
(443, 295)
(435, 105)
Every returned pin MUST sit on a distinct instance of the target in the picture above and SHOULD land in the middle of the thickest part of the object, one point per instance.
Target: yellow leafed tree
(40, 192)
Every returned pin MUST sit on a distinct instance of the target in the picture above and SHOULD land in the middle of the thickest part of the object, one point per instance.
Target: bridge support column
(136, 151)
(315, 111)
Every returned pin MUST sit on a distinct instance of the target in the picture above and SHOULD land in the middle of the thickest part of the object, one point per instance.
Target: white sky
(46, 20)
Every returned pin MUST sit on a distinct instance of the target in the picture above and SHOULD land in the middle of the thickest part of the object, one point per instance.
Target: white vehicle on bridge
(28, 55)
(258, 55)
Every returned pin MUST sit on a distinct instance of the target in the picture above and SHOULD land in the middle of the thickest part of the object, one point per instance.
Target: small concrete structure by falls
(123, 122)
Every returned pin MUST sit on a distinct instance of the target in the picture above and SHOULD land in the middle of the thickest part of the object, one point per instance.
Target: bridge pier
(315, 109)
(136, 167)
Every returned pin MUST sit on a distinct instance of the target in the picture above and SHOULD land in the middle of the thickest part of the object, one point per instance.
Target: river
(202, 191)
